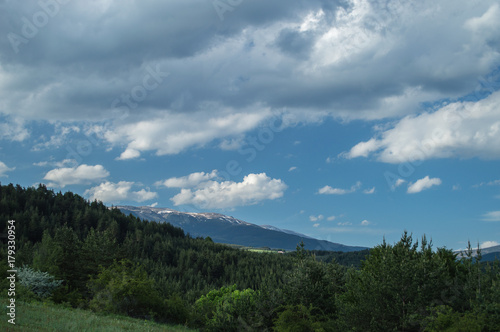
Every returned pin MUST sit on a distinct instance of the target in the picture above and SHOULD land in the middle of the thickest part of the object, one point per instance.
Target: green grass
(50, 317)
(254, 249)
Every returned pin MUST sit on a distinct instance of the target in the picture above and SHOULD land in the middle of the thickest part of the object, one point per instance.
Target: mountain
(487, 254)
(225, 229)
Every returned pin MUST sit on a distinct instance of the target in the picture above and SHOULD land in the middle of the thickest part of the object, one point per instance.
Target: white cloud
(316, 218)
(13, 129)
(109, 192)
(293, 168)
(327, 190)
(423, 184)
(359, 60)
(363, 149)
(228, 194)
(316, 225)
(488, 244)
(62, 177)
(456, 187)
(4, 169)
(459, 129)
(365, 223)
(488, 23)
(231, 144)
(490, 183)
(63, 163)
(155, 204)
(59, 138)
(331, 218)
(188, 181)
(171, 133)
(398, 183)
(492, 216)
(345, 223)
(369, 191)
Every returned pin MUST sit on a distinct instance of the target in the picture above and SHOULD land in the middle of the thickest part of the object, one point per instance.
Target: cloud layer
(168, 76)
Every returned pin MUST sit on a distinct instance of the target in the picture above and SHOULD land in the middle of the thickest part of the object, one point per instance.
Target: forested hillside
(90, 256)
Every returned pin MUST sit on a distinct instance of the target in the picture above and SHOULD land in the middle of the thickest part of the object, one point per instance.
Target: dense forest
(87, 255)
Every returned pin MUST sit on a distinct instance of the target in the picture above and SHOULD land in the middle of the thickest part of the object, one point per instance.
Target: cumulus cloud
(109, 192)
(365, 223)
(492, 216)
(463, 129)
(188, 181)
(4, 169)
(423, 184)
(229, 194)
(327, 190)
(61, 177)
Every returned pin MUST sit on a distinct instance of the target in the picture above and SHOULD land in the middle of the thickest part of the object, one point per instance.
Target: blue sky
(343, 120)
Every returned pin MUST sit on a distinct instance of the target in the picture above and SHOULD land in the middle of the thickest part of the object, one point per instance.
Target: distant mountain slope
(226, 229)
(487, 254)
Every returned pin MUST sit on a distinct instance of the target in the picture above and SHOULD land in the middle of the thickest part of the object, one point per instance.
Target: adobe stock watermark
(223, 6)
(32, 25)
(250, 149)
(253, 145)
(128, 101)
(120, 107)
(428, 146)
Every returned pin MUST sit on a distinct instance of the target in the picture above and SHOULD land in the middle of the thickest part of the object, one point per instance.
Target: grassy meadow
(51, 317)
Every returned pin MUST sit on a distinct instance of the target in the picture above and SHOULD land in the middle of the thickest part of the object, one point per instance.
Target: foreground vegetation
(39, 316)
(84, 255)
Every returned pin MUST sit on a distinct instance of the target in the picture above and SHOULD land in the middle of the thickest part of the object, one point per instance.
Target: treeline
(88, 255)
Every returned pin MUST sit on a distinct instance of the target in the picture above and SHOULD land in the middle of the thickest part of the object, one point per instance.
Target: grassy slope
(49, 317)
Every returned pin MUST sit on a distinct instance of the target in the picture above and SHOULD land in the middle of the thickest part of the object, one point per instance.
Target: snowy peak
(227, 229)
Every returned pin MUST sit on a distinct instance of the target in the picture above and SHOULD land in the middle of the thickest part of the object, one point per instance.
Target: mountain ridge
(227, 229)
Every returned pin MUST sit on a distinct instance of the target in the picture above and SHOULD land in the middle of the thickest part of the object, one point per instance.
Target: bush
(40, 283)
(297, 318)
(227, 309)
(124, 288)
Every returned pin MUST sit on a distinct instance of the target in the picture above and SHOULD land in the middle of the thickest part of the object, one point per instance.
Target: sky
(349, 121)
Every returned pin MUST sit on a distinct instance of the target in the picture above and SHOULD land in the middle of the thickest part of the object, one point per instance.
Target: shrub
(40, 283)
